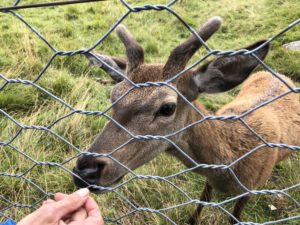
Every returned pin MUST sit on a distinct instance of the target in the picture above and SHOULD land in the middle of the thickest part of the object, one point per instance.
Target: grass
(23, 56)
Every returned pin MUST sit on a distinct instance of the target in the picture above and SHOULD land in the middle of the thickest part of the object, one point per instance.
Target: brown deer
(159, 110)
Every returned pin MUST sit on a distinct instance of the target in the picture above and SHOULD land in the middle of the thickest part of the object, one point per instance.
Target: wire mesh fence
(7, 205)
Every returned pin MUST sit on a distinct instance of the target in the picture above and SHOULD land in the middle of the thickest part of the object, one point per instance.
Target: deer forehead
(147, 72)
(143, 97)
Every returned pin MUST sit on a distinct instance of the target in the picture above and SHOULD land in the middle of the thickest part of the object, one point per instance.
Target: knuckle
(48, 210)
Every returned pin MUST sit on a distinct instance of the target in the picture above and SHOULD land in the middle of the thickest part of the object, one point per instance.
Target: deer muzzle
(95, 173)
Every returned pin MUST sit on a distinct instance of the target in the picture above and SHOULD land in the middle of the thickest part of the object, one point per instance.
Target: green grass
(23, 56)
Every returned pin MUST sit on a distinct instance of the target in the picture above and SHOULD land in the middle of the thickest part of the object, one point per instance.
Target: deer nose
(88, 171)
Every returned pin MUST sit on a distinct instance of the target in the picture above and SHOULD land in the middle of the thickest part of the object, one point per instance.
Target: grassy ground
(23, 55)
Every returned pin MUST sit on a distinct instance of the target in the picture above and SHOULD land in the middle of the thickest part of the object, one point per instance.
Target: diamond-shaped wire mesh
(23, 178)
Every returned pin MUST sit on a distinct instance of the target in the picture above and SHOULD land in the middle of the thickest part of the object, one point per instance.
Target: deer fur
(143, 112)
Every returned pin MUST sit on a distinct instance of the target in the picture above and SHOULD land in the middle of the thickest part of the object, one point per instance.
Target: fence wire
(5, 209)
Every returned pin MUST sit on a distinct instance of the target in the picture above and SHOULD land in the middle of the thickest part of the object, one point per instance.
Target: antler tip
(217, 18)
(215, 21)
(122, 30)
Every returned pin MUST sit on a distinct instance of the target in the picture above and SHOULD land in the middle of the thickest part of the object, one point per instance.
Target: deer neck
(209, 142)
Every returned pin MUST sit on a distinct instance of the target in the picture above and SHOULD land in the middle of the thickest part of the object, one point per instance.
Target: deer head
(155, 110)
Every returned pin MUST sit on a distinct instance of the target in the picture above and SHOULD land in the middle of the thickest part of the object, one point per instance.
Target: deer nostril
(100, 166)
(93, 172)
(89, 169)
(81, 166)
(83, 163)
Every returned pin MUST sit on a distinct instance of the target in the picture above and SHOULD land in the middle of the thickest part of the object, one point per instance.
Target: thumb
(71, 202)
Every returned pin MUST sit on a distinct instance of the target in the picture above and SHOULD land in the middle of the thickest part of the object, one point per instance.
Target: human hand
(75, 209)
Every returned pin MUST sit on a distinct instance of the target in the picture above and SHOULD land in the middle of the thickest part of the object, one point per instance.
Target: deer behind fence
(161, 112)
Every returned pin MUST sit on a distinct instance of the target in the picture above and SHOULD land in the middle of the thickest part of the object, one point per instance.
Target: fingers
(54, 211)
(90, 212)
(48, 201)
(80, 215)
(70, 203)
(67, 218)
(59, 196)
(43, 215)
(61, 222)
(93, 211)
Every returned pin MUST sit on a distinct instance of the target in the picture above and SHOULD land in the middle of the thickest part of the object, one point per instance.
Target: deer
(160, 110)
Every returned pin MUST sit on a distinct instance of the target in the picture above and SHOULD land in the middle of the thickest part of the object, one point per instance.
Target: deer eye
(167, 109)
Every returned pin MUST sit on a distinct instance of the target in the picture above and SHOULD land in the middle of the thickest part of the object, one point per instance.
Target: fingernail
(83, 193)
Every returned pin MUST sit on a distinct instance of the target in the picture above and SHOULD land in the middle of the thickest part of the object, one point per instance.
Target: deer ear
(226, 72)
(119, 64)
